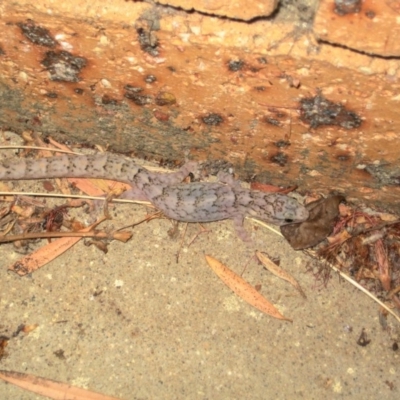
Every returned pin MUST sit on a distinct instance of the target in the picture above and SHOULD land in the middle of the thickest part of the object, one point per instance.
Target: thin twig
(40, 148)
(75, 196)
(44, 235)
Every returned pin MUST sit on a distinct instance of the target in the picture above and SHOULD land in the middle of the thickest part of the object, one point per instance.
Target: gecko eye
(288, 220)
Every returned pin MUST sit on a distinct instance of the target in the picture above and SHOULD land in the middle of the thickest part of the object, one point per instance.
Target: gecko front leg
(239, 228)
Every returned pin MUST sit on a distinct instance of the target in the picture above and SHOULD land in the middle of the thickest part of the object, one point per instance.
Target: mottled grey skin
(191, 202)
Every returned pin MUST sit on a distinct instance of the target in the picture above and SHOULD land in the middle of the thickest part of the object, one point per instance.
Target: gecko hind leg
(133, 194)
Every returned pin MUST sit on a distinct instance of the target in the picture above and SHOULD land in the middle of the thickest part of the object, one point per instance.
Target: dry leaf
(243, 289)
(25, 212)
(45, 254)
(42, 256)
(5, 188)
(383, 264)
(97, 187)
(52, 389)
(388, 217)
(3, 344)
(339, 238)
(319, 225)
(279, 272)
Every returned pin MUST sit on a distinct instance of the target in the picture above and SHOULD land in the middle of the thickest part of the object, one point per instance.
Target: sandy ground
(137, 324)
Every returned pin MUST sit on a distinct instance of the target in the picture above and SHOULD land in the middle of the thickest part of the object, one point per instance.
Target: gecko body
(191, 202)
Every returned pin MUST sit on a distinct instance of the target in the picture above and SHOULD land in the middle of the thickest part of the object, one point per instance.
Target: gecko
(186, 202)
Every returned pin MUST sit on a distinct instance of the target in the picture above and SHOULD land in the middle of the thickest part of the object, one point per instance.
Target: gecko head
(277, 208)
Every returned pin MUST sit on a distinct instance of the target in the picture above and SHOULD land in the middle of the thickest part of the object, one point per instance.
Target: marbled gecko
(191, 202)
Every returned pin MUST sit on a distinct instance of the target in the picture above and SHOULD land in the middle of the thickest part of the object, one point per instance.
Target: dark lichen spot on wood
(132, 89)
(37, 34)
(148, 41)
(318, 111)
(108, 100)
(171, 68)
(213, 119)
(262, 60)
(235, 65)
(139, 99)
(271, 121)
(281, 144)
(150, 78)
(344, 7)
(253, 69)
(280, 158)
(343, 157)
(2, 52)
(63, 66)
(51, 95)
(370, 14)
(132, 93)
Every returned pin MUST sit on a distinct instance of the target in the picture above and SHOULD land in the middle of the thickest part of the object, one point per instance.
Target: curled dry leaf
(243, 289)
(279, 272)
(323, 213)
(51, 389)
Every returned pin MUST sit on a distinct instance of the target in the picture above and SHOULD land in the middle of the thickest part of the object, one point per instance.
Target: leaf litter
(364, 247)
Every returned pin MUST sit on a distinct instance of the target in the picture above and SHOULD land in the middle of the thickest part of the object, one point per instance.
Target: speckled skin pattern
(191, 202)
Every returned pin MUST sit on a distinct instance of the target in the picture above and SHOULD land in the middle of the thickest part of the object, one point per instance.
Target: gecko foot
(240, 231)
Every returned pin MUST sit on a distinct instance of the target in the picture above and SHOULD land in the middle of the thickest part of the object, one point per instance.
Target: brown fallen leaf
(52, 389)
(98, 187)
(243, 289)
(45, 254)
(3, 344)
(323, 213)
(279, 272)
(383, 265)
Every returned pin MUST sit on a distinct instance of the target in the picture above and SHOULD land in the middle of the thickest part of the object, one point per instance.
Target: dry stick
(75, 196)
(44, 235)
(39, 148)
(344, 276)
(146, 219)
(98, 234)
